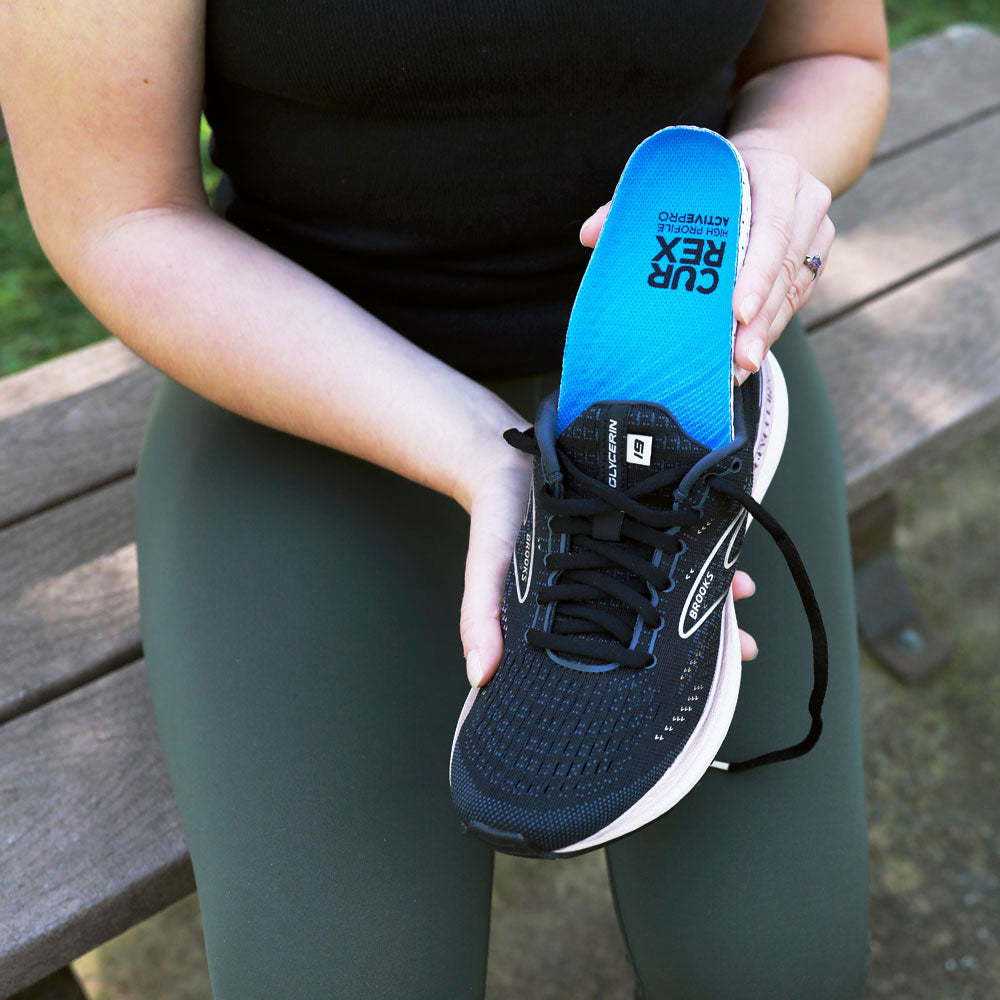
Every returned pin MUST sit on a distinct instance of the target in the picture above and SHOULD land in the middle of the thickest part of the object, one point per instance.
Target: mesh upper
(557, 754)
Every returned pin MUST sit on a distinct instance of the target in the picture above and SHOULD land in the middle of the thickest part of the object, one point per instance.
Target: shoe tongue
(623, 443)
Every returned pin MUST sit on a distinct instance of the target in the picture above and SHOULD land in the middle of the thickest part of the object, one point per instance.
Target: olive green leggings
(300, 622)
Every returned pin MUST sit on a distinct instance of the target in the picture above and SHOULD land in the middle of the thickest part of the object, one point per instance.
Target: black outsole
(507, 842)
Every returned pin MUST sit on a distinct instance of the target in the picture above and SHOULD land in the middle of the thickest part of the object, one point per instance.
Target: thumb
(591, 229)
(485, 575)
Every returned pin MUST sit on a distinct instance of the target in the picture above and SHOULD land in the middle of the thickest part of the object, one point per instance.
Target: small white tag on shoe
(639, 449)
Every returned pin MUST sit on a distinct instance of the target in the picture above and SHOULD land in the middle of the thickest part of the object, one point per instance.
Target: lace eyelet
(651, 665)
(736, 465)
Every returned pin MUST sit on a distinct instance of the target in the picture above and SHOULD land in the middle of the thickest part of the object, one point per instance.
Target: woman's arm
(814, 83)
(809, 102)
(810, 99)
(103, 104)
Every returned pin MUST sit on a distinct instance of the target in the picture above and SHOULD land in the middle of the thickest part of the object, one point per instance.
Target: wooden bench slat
(55, 450)
(69, 603)
(940, 81)
(67, 375)
(91, 842)
(915, 372)
(909, 213)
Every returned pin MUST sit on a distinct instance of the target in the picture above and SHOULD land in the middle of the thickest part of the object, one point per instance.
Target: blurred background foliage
(909, 19)
(41, 318)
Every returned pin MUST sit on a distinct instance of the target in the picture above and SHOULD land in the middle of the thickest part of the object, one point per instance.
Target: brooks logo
(694, 614)
(524, 563)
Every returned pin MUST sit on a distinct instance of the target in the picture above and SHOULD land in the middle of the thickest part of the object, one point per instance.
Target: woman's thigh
(300, 623)
(756, 884)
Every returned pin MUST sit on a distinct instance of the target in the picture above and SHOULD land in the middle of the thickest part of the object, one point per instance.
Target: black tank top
(434, 160)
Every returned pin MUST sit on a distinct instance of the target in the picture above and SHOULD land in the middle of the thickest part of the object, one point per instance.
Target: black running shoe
(621, 662)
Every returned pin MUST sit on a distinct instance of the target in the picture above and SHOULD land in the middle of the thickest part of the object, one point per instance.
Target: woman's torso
(435, 160)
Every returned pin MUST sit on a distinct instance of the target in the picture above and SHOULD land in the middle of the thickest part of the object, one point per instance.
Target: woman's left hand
(788, 223)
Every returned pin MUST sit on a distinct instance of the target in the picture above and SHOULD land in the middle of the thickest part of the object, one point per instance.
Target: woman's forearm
(240, 324)
(827, 111)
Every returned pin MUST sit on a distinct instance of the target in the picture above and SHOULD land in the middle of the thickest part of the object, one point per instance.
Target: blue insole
(653, 316)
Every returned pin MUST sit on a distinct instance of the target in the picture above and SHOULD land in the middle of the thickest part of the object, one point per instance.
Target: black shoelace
(598, 520)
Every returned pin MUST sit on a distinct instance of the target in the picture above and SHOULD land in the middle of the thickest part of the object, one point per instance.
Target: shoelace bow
(597, 523)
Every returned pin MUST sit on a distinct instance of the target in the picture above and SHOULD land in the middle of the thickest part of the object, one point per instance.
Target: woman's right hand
(496, 507)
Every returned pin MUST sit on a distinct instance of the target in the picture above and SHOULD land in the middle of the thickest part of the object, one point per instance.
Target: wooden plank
(910, 213)
(915, 373)
(91, 839)
(940, 81)
(75, 372)
(69, 604)
(53, 451)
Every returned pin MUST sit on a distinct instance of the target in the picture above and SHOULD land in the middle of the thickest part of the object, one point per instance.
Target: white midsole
(466, 708)
(772, 429)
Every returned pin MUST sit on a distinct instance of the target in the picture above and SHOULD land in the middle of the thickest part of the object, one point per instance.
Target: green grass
(41, 318)
(909, 19)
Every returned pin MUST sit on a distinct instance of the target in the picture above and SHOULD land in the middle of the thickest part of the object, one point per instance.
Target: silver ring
(814, 263)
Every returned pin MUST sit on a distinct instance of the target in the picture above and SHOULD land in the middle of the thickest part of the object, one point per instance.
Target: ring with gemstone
(814, 263)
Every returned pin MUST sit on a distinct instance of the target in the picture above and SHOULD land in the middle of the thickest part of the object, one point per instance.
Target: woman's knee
(750, 891)
(817, 959)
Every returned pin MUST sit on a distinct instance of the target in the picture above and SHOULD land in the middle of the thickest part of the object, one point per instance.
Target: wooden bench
(904, 324)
